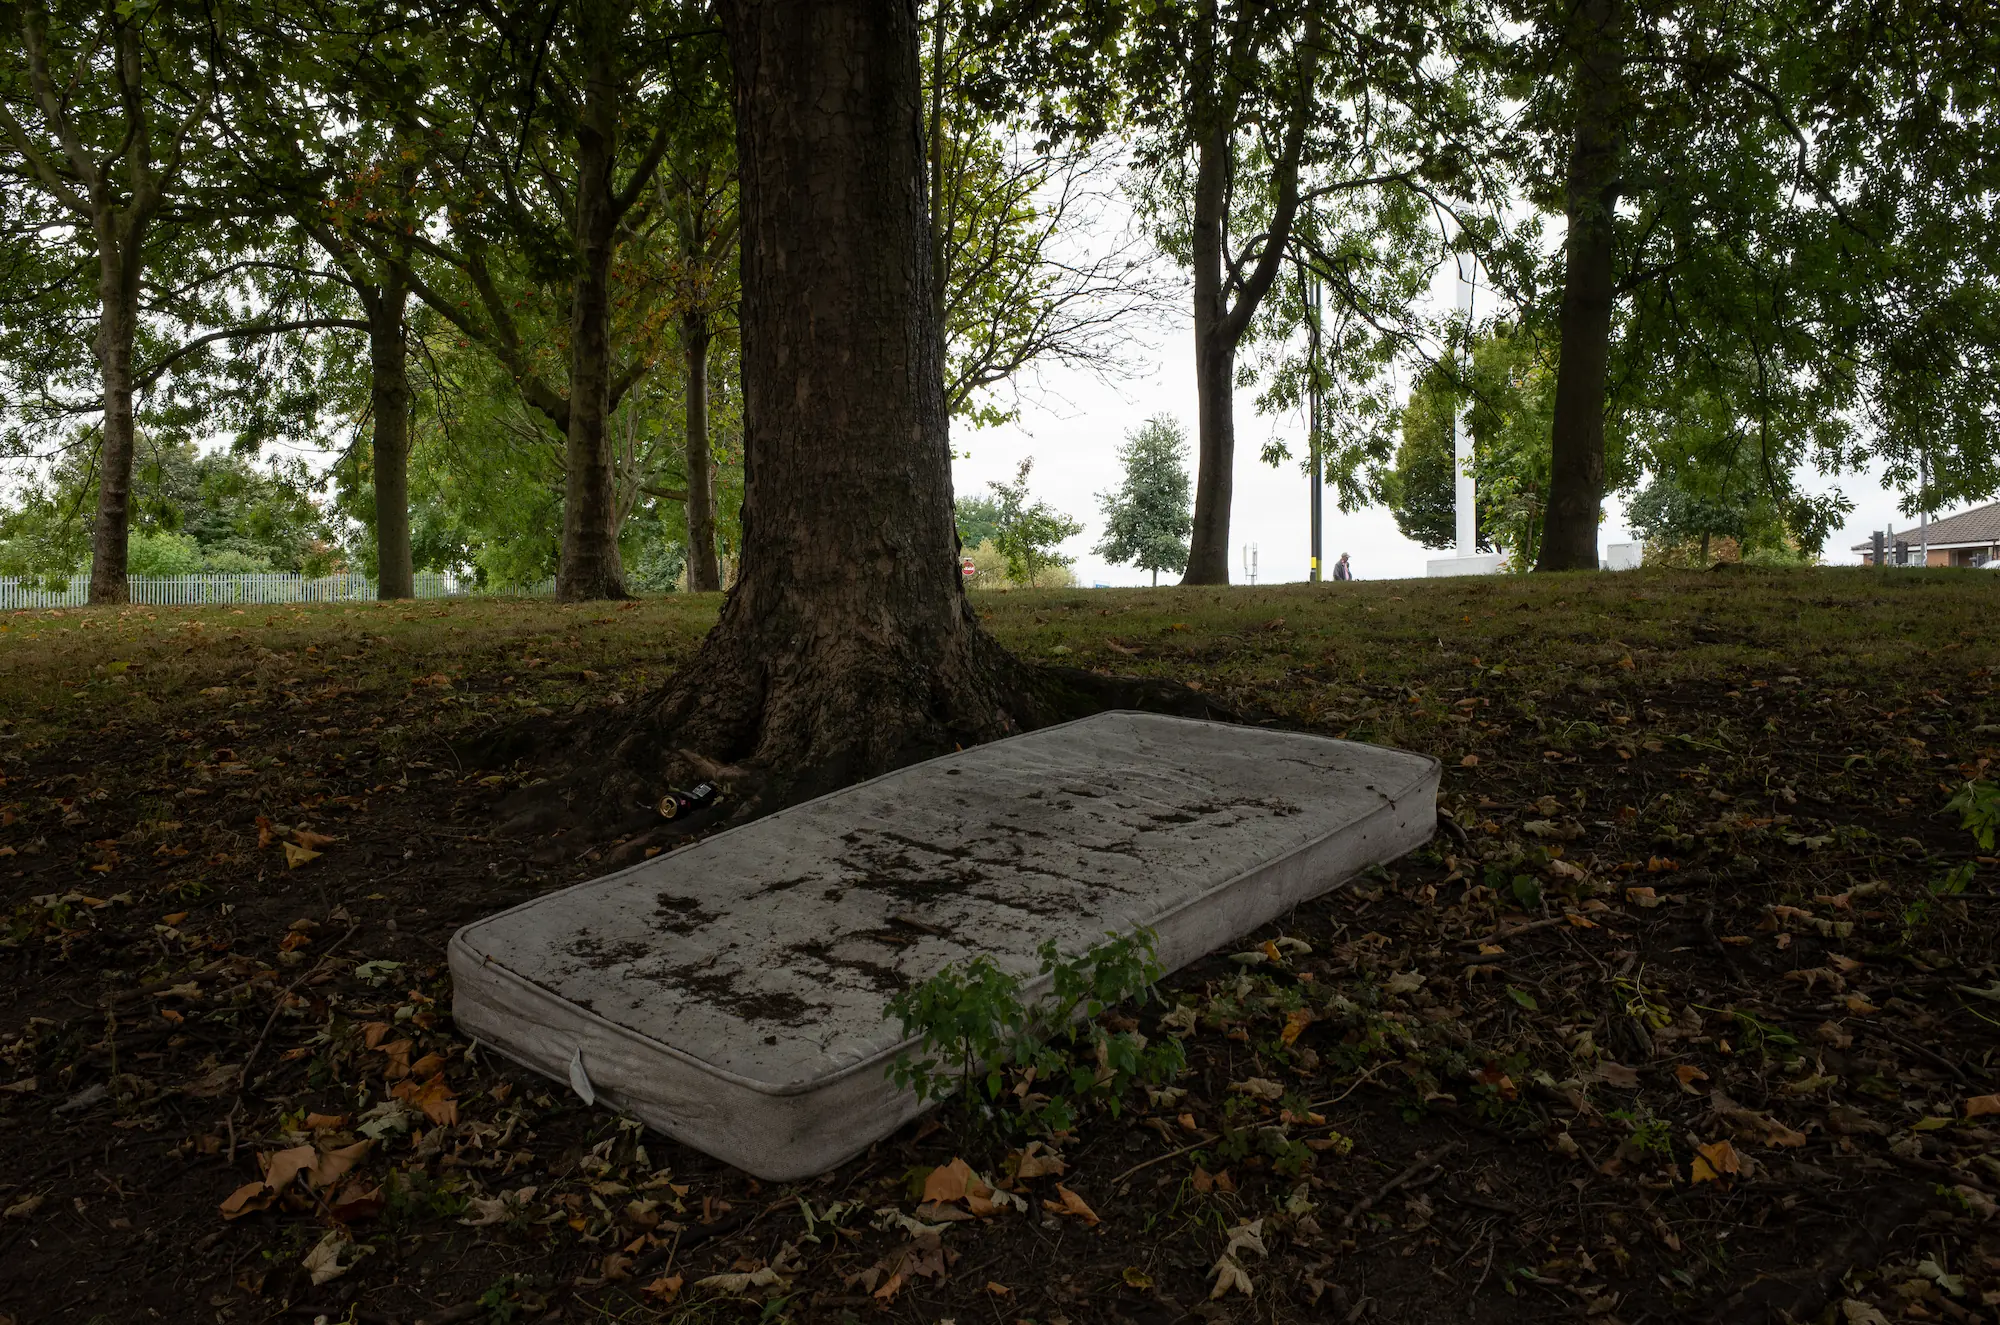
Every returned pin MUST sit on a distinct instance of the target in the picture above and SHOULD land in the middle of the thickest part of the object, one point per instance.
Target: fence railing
(206, 590)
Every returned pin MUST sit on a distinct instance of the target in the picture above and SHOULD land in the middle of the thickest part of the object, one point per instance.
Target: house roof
(1981, 524)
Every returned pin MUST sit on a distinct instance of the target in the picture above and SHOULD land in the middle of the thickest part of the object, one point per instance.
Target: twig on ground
(243, 1081)
(1161, 1159)
(1422, 1162)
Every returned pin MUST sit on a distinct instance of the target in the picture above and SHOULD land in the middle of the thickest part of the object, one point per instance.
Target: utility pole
(1466, 493)
(1312, 294)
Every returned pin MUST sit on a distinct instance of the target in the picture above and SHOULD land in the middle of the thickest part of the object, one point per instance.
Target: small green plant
(1978, 806)
(979, 1036)
(1952, 883)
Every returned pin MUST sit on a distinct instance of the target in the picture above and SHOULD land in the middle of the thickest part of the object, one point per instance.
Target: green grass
(1325, 656)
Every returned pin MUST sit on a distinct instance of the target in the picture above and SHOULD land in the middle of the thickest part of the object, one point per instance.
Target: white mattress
(731, 993)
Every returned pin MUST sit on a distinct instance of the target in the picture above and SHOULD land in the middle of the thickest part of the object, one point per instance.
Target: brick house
(1971, 539)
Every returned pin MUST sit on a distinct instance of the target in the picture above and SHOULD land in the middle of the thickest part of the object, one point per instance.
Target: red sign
(968, 570)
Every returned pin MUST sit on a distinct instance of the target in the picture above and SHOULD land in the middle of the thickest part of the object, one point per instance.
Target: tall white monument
(1470, 560)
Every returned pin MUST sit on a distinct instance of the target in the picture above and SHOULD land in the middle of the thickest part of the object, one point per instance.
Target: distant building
(1971, 539)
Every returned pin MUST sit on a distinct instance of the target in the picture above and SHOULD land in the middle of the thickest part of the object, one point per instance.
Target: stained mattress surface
(731, 993)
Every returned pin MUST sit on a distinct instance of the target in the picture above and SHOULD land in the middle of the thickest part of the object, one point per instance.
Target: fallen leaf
(998, 1289)
(951, 1182)
(326, 1122)
(1715, 1161)
(282, 1166)
(296, 856)
(664, 1289)
(1295, 1022)
(1618, 1075)
(334, 1165)
(1135, 1277)
(742, 1282)
(1228, 1273)
(1981, 1105)
(311, 841)
(1036, 1161)
(1688, 1074)
(1257, 1088)
(1071, 1204)
(332, 1257)
(27, 1205)
(1470, 761)
(434, 1097)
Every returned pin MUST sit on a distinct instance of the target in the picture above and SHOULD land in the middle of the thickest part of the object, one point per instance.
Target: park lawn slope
(1688, 1013)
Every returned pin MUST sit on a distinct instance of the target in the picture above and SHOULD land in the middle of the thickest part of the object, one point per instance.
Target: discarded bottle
(676, 803)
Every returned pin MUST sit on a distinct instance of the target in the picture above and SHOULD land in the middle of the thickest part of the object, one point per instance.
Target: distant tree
(1029, 532)
(1147, 521)
(978, 520)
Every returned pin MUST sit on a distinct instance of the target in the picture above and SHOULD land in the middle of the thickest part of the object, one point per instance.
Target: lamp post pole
(1464, 491)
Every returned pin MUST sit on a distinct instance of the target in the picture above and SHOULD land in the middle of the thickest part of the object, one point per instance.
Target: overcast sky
(1072, 424)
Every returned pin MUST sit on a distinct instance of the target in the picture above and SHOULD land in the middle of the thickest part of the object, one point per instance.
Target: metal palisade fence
(205, 590)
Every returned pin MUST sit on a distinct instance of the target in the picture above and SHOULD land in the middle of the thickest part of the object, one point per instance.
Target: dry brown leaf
(1257, 1088)
(282, 1166)
(334, 1165)
(1071, 1204)
(374, 1033)
(325, 1122)
(1618, 1075)
(1981, 1105)
(951, 1182)
(250, 1197)
(664, 1289)
(1687, 1074)
(1715, 1161)
(434, 1097)
(1036, 1161)
(311, 841)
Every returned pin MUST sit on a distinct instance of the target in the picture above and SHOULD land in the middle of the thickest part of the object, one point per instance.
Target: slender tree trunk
(118, 264)
(389, 403)
(846, 646)
(590, 566)
(704, 575)
(1576, 469)
(1214, 370)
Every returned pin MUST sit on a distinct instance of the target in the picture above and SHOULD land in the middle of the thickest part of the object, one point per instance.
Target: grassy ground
(1697, 907)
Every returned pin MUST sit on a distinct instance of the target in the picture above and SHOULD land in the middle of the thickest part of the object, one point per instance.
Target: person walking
(1341, 570)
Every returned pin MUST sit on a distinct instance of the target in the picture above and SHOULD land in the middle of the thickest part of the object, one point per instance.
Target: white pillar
(1468, 518)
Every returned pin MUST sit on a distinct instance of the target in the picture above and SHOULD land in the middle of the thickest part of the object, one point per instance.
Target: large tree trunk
(846, 646)
(1576, 468)
(389, 402)
(1214, 369)
(118, 262)
(704, 575)
(590, 566)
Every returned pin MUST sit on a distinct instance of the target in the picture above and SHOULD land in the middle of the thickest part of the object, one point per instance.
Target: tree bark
(389, 402)
(589, 565)
(118, 262)
(1219, 325)
(704, 574)
(846, 646)
(1214, 370)
(1576, 462)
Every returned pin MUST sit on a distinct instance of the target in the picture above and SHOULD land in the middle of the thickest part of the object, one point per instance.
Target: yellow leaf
(296, 856)
(1714, 1161)
(1297, 1021)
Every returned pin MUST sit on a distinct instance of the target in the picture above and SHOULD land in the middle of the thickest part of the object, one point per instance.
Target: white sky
(1072, 424)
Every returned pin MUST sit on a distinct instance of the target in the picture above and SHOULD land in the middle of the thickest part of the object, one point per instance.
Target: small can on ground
(677, 803)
